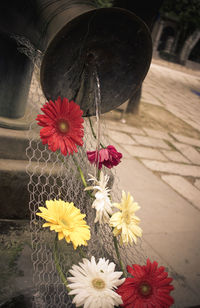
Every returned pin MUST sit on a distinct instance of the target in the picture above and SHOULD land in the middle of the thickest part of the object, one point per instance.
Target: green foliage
(187, 12)
(103, 3)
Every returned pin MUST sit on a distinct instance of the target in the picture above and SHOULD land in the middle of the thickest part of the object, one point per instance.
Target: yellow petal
(60, 236)
(64, 218)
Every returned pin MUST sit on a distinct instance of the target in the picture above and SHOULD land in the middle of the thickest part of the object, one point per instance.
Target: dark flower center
(145, 289)
(63, 126)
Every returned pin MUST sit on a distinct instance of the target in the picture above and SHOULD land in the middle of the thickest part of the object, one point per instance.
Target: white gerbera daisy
(94, 284)
(102, 202)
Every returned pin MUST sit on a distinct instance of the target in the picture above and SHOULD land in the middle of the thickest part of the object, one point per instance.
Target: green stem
(93, 133)
(82, 254)
(80, 171)
(118, 255)
(82, 176)
(98, 174)
(57, 264)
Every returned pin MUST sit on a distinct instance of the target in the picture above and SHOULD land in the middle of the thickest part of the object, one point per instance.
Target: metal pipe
(74, 37)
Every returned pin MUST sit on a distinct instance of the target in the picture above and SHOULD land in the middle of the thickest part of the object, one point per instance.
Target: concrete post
(173, 50)
(157, 38)
(189, 45)
(169, 44)
(16, 73)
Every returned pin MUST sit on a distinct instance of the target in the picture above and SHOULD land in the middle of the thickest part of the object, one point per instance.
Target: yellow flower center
(63, 126)
(145, 289)
(98, 283)
(65, 223)
(126, 217)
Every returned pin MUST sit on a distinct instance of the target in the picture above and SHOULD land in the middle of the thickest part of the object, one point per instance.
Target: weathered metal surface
(114, 41)
(80, 38)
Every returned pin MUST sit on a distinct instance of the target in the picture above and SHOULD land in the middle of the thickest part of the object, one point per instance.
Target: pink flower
(108, 157)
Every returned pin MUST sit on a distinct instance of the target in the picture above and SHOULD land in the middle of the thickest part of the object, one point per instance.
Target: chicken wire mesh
(53, 176)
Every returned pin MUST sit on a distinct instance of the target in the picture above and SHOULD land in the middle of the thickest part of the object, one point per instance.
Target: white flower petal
(102, 202)
(86, 294)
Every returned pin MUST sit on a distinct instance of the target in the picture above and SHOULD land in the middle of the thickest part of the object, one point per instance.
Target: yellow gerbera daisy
(64, 218)
(124, 221)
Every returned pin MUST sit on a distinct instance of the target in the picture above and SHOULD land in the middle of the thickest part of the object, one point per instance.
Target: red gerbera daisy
(62, 126)
(108, 157)
(150, 287)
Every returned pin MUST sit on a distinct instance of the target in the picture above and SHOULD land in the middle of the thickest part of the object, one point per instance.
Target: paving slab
(197, 184)
(193, 124)
(120, 138)
(125, 128)
(150, 99)
(158, 134)
(185, 188)
(188, 151)
(174, 168)
(163, 211)
(173, 89)
(187, 140)
(161, 207)
(145, 152)
(151, 142)
(175, 156)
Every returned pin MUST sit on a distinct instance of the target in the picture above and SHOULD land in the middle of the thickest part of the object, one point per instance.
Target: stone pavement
(162, 171)
(173, 91)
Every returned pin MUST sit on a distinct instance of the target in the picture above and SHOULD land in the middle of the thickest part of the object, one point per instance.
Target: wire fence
(53, 176)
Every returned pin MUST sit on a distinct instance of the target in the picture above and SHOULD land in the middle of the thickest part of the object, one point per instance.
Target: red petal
(47, 131)
(53, 143)
(69, 111)
(165, 282)
(49, 113)
(52, 107)
(91, 156)
(44, 120)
